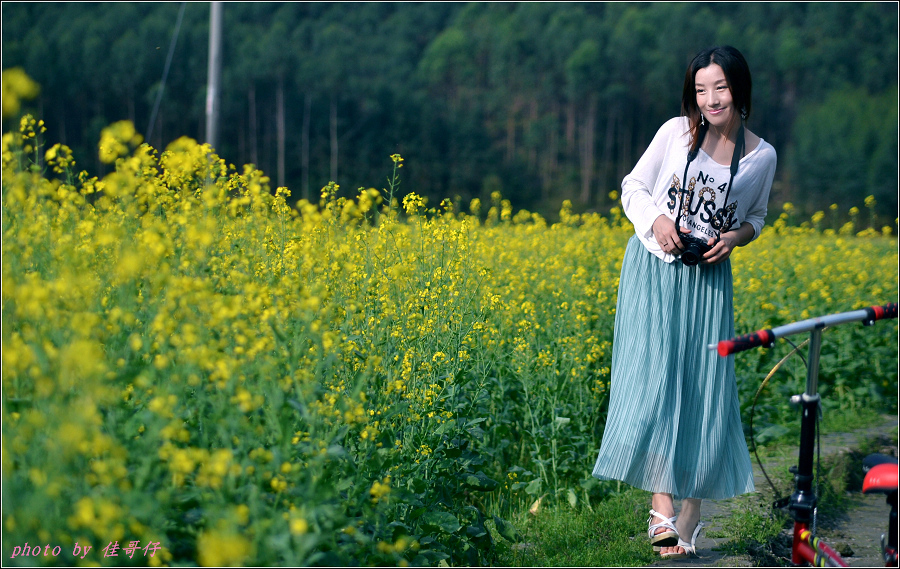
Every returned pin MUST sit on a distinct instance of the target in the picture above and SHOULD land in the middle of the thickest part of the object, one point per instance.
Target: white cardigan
(652, 188)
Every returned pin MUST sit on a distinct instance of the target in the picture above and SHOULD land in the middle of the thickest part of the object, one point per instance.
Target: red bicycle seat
(881, 478)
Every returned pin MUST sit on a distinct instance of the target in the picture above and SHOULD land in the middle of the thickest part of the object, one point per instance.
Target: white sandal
(662, 539)
(690, 549)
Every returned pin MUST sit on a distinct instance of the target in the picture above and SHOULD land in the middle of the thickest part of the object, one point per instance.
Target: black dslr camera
(693, 249)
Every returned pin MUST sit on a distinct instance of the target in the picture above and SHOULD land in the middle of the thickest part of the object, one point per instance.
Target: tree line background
(541, 101)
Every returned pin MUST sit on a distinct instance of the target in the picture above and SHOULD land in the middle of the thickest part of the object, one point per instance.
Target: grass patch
(611, 533)
(847, 420)
(752, 525)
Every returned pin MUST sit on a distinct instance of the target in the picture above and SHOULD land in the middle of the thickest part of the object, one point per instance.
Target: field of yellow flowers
(196, 372)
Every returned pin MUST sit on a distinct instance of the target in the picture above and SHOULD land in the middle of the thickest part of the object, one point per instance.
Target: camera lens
(690, 257)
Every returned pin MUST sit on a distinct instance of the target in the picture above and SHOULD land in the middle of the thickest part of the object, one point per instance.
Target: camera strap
(718, 219)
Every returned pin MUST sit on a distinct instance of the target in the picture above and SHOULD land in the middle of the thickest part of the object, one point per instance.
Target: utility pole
(214, 73)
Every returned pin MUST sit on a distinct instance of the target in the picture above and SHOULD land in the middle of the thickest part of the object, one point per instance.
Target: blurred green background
(541, 101)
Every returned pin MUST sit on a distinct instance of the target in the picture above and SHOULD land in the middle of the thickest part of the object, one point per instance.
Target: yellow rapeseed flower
(117, 139)
(17, 85)
(59, 158)
(219, 548)
(299, 526)
(380, 489)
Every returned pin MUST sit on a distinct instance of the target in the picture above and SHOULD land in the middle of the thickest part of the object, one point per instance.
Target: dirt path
(857, 532)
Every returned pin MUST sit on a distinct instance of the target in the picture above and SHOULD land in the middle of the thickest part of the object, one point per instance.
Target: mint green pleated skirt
(674, 422)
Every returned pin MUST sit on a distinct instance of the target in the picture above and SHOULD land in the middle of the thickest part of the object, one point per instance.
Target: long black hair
(737, 75)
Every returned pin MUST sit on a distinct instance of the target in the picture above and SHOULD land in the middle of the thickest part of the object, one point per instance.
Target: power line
(165, 71)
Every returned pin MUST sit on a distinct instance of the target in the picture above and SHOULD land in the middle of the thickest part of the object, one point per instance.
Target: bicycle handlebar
(767, 337)
(746, 342)
(889, 310)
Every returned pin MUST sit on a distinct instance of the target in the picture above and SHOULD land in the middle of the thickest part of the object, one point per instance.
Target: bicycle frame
(802, 505)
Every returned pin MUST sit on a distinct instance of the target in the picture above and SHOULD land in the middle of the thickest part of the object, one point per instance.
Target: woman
(674, 425)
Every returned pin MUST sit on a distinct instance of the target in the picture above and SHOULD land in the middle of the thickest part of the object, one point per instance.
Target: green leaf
(336, 450)
(429, 557)
(445, 521)
(589, 483)
(446, 426)
(476, 431)
(771, 433)
(479, 481)
(398, 529)
(573, 499)
(480, 536)
(324, 559)
(534, 487)
(507, 531)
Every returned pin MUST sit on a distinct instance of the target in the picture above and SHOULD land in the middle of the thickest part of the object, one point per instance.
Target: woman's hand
(728, 242)
(666, 236)
(721, 250)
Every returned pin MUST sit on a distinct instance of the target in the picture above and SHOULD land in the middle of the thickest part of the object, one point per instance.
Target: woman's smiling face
(714, 96)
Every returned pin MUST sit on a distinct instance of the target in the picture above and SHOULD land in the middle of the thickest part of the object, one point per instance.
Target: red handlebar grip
(889, 310)
(874, 313)
(745, 342)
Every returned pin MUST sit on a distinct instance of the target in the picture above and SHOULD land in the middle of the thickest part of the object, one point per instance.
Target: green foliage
(846, 146)
(554, 101)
